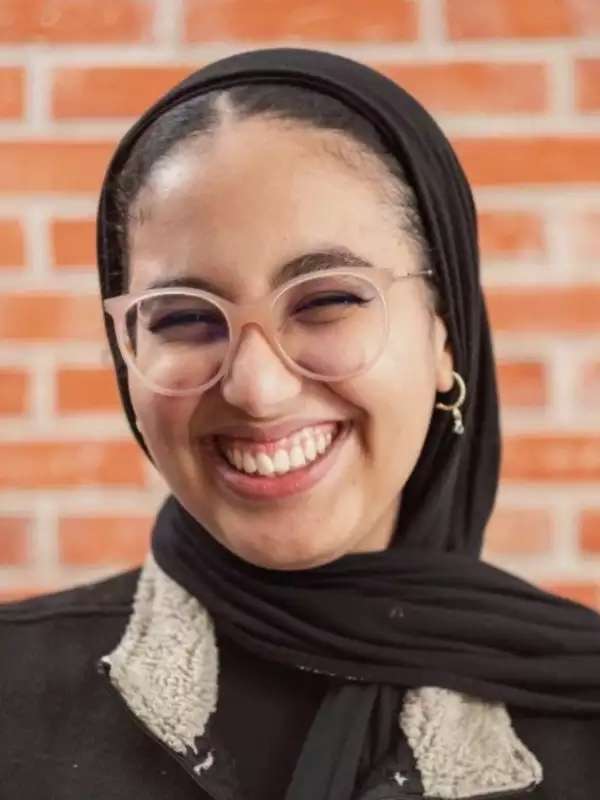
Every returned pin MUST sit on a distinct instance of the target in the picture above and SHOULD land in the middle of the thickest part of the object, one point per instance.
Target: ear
(444, 361)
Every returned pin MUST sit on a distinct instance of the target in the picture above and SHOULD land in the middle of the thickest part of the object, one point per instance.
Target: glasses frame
(258, 312)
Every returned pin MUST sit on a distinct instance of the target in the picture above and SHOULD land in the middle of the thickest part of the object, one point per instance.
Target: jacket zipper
(105, 668)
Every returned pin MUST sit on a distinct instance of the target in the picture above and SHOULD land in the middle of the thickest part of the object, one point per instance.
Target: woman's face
(233, 208)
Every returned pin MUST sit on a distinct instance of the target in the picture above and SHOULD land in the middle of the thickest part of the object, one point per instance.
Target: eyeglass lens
(331, 326)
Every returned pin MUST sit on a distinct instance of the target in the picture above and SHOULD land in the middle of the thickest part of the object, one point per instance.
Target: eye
(178, 318)
(328, 306)
(181, 318)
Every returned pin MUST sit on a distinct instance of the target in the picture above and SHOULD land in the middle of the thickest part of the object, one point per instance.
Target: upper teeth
(293, 453)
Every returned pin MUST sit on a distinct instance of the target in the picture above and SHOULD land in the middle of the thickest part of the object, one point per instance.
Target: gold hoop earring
(459, 428)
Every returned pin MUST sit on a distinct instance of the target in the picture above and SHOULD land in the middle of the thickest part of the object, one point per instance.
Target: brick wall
(516, 86)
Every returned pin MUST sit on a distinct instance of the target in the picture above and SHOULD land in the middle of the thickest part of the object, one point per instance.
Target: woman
(288, 260)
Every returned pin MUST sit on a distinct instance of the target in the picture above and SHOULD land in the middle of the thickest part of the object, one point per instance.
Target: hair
(202, 116)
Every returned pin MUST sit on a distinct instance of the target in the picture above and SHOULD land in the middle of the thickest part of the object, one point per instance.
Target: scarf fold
(427, 611)
(397, 617)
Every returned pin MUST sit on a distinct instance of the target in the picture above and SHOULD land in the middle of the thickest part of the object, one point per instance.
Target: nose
(258, 381)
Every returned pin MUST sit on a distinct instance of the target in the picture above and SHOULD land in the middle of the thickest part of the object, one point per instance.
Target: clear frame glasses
(329, 325)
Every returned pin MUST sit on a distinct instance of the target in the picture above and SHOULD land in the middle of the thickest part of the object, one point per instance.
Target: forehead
(255, 193)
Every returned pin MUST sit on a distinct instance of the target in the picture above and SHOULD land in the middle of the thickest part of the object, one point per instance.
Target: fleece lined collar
(166, 669)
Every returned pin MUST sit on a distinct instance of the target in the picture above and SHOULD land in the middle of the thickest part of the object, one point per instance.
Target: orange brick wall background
(516, 86)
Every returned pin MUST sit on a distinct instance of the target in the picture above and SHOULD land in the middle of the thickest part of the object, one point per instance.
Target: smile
(285, 455)
(311, 455)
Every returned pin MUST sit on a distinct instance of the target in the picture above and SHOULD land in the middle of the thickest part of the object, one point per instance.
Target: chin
(284, 560)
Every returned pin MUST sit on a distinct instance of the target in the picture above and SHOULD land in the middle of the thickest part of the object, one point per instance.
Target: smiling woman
(290, 273)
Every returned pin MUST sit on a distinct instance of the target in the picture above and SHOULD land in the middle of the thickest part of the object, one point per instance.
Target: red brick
(12, 87)
(548, 458)
(48, 316)
(585, 592)
(568, 309)
(522, 531)
(70, 21)
(14, 541)
(48, 166)
(14, 391)
(587, 84)
(511, 233)
(589, 530)
(500, 19)
(472, 86)
(61, 464)
(73, 242)
(511, 160)
(110, 91)
(103, 540)
(522, 383)
(585, 236)
(12, 251)
(588, 388)
(86, 389)
(317, 20)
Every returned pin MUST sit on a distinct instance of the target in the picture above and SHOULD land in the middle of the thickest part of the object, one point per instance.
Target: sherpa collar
(166, 669)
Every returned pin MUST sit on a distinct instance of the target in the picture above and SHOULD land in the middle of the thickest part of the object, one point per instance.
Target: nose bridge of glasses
(258, 314)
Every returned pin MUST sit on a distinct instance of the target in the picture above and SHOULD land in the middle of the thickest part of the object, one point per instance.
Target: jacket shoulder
(110, 596)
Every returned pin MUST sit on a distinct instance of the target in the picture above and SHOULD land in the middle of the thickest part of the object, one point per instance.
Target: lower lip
(269, 488)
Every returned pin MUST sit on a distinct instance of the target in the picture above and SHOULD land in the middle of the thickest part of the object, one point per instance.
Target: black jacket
(66, 733)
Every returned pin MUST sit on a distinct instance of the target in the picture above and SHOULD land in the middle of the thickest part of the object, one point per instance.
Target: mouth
(257, 475)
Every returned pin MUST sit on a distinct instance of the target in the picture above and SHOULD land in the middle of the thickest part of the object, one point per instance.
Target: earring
(459, 428)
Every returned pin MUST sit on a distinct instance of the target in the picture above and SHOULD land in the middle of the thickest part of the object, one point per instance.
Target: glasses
(330, 325)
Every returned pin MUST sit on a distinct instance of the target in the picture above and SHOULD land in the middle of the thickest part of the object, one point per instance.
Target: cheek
(163, 421)
(396, 396)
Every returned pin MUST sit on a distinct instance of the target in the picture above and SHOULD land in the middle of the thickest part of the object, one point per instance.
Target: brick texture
(504, 19)
(502, 161)
(85, 541)
(12, 87)
(522, 383)
(552, 458)
(14, 541)
(511, 233)
(589, 385)
(516, 84)
(110, 91)
(573, 309)
(71, 21)
(474, 87)
(585, 236)
(589, 530)
(587, 77)
(523, 531)
(49, 166)
(15, 388)
(11, 244)
(319, 20)
(86, 390)
(60, 465)
(73, 242)
(44, 316)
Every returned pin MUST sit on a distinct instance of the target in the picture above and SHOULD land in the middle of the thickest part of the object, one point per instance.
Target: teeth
(248, 463)
(310, 449)
(281, 461)
(264, 464)
(297, 458)
(304, 448)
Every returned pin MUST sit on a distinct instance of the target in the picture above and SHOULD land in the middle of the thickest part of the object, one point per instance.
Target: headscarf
(426, 611)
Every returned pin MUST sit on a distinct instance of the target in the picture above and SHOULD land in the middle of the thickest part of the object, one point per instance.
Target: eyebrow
(328, 258)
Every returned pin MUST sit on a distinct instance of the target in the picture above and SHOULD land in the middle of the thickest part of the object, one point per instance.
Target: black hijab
(426, 611)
